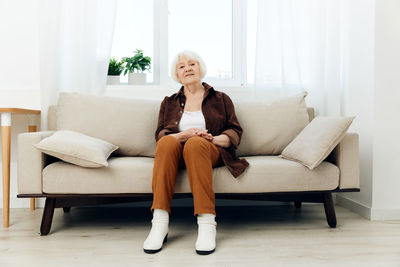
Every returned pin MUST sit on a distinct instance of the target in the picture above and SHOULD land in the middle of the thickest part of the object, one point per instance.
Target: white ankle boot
(205, 243)
(158, 233)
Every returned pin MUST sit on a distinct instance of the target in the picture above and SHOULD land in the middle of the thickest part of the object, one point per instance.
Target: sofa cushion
(317, 140)
(134, 175)
(77, 148)
(269, 128)
(127, 123)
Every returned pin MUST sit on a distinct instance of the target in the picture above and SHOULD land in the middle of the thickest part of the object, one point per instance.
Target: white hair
(191, 55)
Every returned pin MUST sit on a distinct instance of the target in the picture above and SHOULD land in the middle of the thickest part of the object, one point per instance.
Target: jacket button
(182, 104)
(176, 122)
(180, 111)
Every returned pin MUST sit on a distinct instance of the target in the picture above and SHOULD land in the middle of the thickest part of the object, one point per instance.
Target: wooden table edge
(20, 110)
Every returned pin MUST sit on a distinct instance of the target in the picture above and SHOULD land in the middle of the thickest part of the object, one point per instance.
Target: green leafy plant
(115, 67)
(137, 63)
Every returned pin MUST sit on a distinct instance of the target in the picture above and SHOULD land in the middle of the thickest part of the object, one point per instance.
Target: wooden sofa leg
(329, 209)
(67, 209)
(47, 216)
(297, 204)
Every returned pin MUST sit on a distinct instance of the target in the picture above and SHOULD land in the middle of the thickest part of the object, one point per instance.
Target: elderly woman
(197, 129)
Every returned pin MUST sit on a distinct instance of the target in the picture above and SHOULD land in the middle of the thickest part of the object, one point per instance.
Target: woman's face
(188, 70)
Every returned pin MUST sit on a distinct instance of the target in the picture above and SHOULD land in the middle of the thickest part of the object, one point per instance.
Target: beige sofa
(130, 124)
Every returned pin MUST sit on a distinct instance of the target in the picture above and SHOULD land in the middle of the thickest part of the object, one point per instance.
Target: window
(133, 29)
(195, 26)
(222, 32)
(251, 32)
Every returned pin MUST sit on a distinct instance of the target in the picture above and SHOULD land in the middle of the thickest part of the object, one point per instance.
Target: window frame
(239, 46)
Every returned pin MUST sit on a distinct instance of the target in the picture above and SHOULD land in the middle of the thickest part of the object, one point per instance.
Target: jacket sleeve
(232, 128)
(160, 131)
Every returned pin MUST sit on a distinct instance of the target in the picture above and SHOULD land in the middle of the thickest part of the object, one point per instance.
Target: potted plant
(135, 67)
(115, 69)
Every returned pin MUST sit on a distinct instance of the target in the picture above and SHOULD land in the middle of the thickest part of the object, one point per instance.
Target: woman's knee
(167, 143)
(195, 145)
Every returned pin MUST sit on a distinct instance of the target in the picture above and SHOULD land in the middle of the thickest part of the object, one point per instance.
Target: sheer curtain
(300, 47)
(75, 38)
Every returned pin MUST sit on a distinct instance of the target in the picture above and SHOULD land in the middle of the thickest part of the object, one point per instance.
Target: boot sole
(152, 251)
(204, 252)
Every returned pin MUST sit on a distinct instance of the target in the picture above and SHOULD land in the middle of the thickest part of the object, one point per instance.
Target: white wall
(359, 85)
(19, 69)
(386, 156)
(374, 95)
(19, 65)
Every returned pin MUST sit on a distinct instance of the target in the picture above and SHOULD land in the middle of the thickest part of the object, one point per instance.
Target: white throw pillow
(269, 127)
(77, 148)
(317, 140)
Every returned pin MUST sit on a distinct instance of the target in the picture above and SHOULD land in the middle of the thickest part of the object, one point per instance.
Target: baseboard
(373, 214)
(385, 214)
(354, 206)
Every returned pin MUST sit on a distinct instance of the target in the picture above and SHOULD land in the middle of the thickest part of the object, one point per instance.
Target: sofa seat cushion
(134, 175)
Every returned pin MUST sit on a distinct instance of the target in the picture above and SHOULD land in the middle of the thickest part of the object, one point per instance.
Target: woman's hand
(219, 140)
(205, 135)
(186, 134)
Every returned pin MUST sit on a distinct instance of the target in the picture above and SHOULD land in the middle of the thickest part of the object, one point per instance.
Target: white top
(192, 119)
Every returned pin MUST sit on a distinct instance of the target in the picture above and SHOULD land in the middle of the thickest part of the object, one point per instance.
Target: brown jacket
(220, 118)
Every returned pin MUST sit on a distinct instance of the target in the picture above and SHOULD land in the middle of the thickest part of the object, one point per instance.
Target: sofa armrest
(31, 162)
(345, 156)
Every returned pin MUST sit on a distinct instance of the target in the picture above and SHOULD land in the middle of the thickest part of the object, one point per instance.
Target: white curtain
(300, 46)
(75, 38)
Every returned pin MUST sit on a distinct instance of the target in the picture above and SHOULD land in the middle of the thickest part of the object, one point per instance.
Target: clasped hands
(221, 140)
(192, 132)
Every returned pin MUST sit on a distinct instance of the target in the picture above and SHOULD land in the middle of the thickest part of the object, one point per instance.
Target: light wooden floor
(246, 236)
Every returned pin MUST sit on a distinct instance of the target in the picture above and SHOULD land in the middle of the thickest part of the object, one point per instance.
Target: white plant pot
(113, 79)
(136, 78)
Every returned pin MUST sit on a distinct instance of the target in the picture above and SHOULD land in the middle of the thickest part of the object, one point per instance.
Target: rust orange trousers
(199, 156)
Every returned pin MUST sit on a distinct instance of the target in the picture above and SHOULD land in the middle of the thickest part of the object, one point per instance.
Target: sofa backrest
(52, 117)
(131, 123)
(269, 127)
(127, 123)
